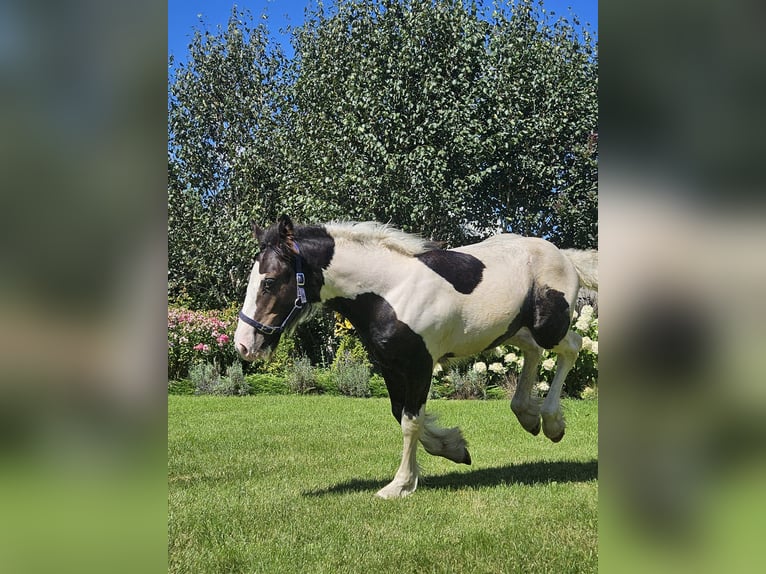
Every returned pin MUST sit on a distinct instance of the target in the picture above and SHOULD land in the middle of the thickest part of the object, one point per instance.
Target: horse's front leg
(406, 479)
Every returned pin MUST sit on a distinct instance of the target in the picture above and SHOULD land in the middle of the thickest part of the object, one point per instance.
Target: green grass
(287, 484)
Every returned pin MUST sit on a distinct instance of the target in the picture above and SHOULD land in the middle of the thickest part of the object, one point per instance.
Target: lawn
(287, 484)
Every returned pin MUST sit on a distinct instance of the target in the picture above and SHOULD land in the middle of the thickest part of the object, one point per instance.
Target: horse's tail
(586, 264)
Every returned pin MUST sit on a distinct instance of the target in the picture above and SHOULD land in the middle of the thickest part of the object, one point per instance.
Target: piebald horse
(413, 305)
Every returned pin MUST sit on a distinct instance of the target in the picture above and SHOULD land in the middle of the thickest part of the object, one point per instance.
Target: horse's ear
(285, 228)
(257, 231)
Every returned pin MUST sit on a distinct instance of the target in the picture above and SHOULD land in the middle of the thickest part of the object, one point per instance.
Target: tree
(224, 125)
(442, 120)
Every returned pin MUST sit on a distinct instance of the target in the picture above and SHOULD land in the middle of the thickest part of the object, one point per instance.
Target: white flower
(582, 323)
(587, 343)
(438, 369)
(594, 348)
(480, 367)
(510, 358)
(499, 351)
(586, 311)
(497, 368)
(542, 387)
(549, 364)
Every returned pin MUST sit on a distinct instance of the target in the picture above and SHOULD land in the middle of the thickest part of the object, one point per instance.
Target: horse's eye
(267, 284)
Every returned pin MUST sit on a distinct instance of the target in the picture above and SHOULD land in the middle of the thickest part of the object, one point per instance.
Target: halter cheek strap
(300, 302)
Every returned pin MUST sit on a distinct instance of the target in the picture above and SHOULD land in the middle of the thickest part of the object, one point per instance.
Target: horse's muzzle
(263, 352)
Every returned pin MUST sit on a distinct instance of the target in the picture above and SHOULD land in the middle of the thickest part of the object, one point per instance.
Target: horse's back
(524, 260)
(518, 273)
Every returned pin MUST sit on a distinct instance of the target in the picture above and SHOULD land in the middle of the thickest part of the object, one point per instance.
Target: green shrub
(301, 376)
(378, 387)
(325, 382)
(352, 378)
(182, 387)
(471, 384)
(351, 349)
(267, 384)
(234, 382)
(281, 359)
(351, 368)
(207, 380)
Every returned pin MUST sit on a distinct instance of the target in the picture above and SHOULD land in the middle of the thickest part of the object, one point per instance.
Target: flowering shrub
(584, 374)
(500, 367)
(199, 336)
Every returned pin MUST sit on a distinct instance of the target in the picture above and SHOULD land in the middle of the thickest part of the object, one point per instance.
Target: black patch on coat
(317, 249)
(464, 272)
(550, 316)
(545, 312)
(399, 352)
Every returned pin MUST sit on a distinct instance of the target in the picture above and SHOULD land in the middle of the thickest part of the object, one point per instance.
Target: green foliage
(443, 120)
(469, 384)
(301, 377)
(207, 380)
(181, 387)
(281, 359)
(352, 376)
(444, 117)
(224, 123)
(378, 388)
(351, 367)
(353, 379)
(351, 349)
(267, 384)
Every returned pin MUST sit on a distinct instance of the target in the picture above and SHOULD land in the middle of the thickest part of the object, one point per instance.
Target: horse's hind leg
(553, 419)
(524, 406)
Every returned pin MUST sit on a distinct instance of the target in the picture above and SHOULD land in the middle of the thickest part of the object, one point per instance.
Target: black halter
(300, 302)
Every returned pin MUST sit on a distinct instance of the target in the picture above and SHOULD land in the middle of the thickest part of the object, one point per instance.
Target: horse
(414, 304)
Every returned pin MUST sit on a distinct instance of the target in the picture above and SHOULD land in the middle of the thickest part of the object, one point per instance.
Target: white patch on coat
(245, 337)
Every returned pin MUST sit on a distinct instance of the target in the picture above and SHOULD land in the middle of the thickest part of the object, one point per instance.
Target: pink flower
(222, 339)
(200, 347)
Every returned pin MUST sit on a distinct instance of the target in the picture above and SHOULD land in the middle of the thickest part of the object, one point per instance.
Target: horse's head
(275, 293)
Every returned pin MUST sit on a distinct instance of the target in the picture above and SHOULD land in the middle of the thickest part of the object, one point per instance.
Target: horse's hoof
(394, 490)
(467, 457)
(559, 437)
(536, 431)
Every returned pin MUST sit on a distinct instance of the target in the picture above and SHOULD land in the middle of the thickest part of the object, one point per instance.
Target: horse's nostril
(241, 349)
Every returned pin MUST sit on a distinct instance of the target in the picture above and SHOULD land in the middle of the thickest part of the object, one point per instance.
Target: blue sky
(183, 17)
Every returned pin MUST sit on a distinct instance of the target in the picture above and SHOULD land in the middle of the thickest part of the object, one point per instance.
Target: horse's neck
(357, 269)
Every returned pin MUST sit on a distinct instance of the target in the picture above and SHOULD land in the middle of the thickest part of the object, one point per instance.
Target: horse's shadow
(529, 473)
